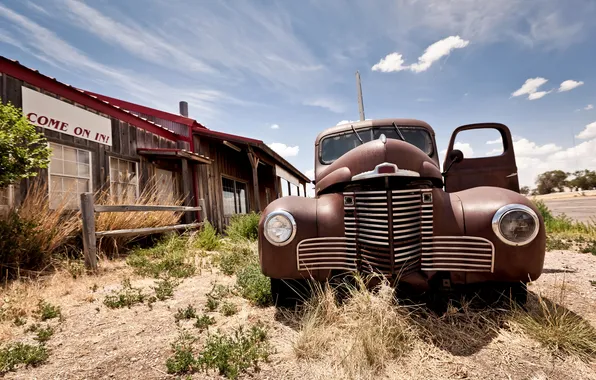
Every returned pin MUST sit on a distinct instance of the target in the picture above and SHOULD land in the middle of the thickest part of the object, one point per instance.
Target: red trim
(146, 110)
(226, 136)
(35, 78)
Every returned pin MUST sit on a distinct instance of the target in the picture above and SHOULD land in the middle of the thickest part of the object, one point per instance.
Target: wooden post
(203, 210)
(254, 163)
(89, 241)
(187, 190)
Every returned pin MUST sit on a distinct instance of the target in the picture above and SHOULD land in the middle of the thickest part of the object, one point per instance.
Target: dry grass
(108, 221)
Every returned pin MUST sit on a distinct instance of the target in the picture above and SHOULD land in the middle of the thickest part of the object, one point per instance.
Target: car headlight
(279, 227)
(516, 224)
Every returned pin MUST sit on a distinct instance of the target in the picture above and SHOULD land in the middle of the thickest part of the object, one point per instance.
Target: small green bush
(231, 355)
(13, 355)
(47, 311)
(126, 297)
(167, 258)
(228, 309)
(204, 321)
(211, 304)
(207, 238)
(184, 314)
(253, 285)
(165, 289)
(44, 334)
(234, 256)
(183, 360)
(244, 226)
(17, 248)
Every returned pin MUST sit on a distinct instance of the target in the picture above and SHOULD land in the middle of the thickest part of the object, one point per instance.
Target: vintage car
(383, 207)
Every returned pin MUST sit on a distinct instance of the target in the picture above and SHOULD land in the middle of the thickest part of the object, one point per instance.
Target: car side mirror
(454, 157)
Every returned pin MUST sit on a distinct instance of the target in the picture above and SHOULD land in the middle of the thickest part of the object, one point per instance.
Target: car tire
(287, 293)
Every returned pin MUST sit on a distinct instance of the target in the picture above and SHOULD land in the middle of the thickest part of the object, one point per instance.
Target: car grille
(391, 232)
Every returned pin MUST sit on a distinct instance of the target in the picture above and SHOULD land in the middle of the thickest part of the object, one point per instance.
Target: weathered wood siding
(126, 138)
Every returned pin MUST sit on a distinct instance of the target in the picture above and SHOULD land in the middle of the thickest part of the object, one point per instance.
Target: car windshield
(335, 146)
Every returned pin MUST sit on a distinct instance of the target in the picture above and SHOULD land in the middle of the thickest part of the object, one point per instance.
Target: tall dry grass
(109, 221)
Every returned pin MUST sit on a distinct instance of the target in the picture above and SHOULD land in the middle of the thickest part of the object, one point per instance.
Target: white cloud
(332, 105)
(346, 122)
(524, 147)
(530, 87)
(569, 85)
(310, 173)
(284, 150)
(395, 62)
(498, 140)
(274, 126)
(589, 132)
(588, 107)
(391, 63)
(538, 95)
(438, 50)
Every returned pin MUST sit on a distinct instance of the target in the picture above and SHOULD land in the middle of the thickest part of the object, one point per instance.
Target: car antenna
(401, 136)
(357, 135)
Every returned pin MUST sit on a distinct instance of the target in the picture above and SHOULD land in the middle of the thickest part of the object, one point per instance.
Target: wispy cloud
(530, 88)
(442, 48)
(274, 126)
(331, 104)
(284, 150)
(588, 107)
(588, 132)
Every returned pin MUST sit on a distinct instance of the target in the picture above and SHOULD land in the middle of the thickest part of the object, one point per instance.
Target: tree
(583, 179)
(550, 181)
(22, 149)
(525, 190)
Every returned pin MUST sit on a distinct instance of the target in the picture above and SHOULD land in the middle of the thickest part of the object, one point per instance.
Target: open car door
(498, 171)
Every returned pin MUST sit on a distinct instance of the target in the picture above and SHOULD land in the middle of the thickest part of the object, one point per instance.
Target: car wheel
(288, 293)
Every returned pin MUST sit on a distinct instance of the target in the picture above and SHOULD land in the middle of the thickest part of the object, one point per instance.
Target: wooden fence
(90, 235)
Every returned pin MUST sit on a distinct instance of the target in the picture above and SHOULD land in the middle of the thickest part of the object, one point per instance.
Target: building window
(70, 175)
(124, 180)
(234, 197)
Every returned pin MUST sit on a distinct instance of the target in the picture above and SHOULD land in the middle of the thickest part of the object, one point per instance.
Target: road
(582, 209)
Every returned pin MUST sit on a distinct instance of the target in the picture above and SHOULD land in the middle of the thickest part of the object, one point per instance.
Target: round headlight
(280, 227)
(516, 224)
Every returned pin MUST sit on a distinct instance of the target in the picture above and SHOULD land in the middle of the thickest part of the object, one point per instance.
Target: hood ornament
(383, 138)
(386, 169)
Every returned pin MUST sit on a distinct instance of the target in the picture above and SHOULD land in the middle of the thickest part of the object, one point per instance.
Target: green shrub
(126, 297)
(207, 238)
(562, 224)
(169, 257)
(183, 360)
(232, 355)
(188, 313)
(47, 311)
(43, 335)
(165, 289)
(228, 309)
(244, 226)
(211, 304)
(234, 256)
(204, 321)
(17, 354)
(254, 286)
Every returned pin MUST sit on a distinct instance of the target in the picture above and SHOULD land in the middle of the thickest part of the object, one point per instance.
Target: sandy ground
(566, 195)
(94, 342)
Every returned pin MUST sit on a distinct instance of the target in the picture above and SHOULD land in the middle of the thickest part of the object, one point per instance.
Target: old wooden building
(106, 145)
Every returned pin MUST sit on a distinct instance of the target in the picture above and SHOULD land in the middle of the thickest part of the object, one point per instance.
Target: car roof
(374, 123)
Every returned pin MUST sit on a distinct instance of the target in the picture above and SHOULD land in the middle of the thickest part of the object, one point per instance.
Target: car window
(335, 146)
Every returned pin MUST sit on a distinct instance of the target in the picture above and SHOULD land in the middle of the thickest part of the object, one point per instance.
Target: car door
(498, 171)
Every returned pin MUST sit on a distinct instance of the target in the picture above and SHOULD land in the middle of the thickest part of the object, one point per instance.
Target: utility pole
(360, 102)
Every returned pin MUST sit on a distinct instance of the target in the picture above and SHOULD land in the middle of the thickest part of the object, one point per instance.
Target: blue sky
(245, 66)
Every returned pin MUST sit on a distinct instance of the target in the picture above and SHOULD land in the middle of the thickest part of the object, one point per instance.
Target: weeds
(16, 354)
(47, 311)
(19, 321)
(244, 227)
(204, 321)
(44, 334)
(563, 224)
(228, 309)
(126, 297)
(165, 288)
(183, 360)
(253, 285)
(234, 256)
(168, 258)
(211, 304)
(207, 238)
(185, 314)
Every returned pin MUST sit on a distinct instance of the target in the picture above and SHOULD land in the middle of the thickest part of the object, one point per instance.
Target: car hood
(367, 156)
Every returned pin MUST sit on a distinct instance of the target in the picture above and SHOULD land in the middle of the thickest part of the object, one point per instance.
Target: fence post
(89, 241)
(203, 210)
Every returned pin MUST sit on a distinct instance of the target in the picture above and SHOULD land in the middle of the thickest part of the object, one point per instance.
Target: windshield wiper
(357, 135)
(401, 136)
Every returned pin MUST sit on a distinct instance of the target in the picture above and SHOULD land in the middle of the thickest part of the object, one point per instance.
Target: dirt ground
(95, 342)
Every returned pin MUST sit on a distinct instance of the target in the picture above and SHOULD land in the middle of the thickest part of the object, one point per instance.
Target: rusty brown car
(383, 206)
